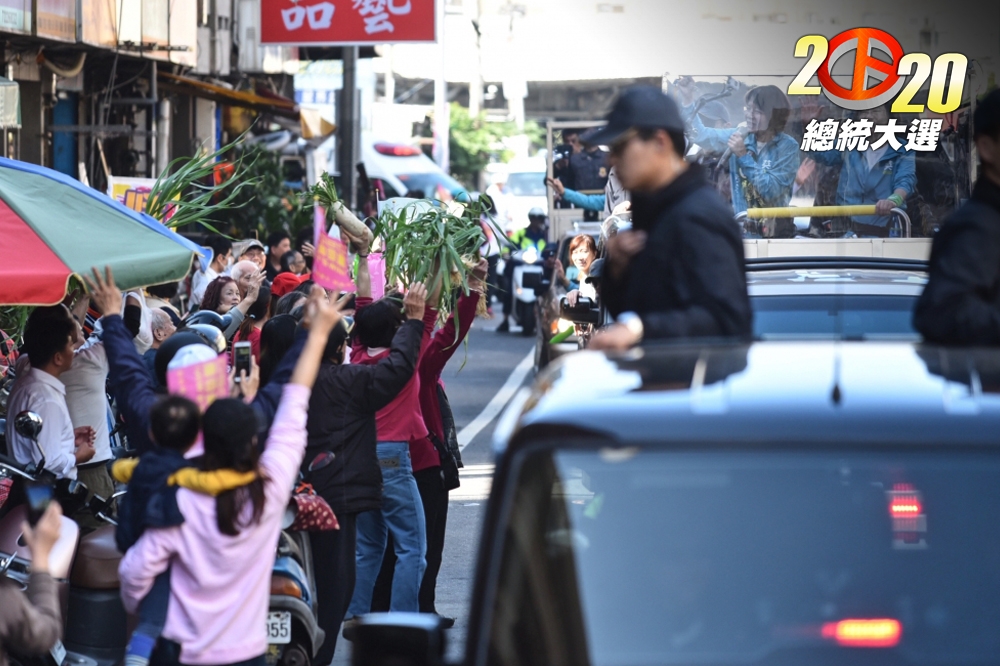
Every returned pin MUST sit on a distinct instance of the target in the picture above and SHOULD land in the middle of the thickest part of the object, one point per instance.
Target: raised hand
(415, 301)
(107, 297)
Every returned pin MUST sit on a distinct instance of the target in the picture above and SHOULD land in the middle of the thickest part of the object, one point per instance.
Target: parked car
(771, 503)
(399, 168)
(523, 189)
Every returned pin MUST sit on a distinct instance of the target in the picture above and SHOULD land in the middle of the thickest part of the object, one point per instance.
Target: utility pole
(442, 112)
(476, 84)
(349, 133)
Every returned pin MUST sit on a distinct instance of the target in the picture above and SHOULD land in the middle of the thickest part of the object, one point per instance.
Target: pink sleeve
(147, 559)
(286, 444)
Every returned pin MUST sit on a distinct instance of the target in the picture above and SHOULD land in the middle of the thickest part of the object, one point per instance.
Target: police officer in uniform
(590, 174)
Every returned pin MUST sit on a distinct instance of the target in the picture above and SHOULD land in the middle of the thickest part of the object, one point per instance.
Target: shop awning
(273, 104)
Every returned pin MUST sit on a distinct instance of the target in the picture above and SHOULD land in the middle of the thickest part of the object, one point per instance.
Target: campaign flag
(202, 382)
(319, 224)
(376, 269)
(330, 265)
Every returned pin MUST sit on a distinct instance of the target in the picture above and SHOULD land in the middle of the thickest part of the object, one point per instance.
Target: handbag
(312, 513)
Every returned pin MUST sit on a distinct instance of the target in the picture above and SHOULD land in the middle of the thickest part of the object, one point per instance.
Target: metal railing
(899, 216)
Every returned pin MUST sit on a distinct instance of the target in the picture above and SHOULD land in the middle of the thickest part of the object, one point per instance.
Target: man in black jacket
(961, 302)
(679, 273)
(342, 420)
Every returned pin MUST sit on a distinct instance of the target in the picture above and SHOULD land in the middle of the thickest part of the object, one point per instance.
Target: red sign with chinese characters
(332, 22)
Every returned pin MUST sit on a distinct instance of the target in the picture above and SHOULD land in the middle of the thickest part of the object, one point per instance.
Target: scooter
(527, 276)
(85, 568)
(294, 635)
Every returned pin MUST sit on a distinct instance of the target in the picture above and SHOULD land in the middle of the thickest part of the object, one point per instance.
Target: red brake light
(908, 506)
(396, 150)
(876, 633)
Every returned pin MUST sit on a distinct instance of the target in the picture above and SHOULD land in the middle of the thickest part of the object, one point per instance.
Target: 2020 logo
(946, 73)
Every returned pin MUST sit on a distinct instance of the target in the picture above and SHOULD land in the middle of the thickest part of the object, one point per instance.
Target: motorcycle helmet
(209, 335)
(221, 322)
(537, 213)
(169, 348)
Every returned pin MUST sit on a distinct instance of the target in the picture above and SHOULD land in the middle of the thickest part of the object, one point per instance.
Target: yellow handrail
(810, 211)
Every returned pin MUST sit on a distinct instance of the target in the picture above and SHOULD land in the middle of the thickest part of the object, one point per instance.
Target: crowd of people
(330, 373)
(361, 379)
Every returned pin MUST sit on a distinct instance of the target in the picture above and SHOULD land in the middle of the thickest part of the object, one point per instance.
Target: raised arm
(287, 442)
(446, 341)
(134, 389)
(388, 377)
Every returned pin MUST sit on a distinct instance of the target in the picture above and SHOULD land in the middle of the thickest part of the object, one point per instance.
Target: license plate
(279, 627)
(58, 652)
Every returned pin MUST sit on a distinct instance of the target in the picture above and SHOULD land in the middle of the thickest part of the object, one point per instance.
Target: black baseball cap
(986, 120)
(643, 107)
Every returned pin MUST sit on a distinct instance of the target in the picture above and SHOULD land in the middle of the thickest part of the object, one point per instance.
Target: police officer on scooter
(534, 235)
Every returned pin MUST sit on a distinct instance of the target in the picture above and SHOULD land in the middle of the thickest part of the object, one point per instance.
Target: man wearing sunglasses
(679, 273)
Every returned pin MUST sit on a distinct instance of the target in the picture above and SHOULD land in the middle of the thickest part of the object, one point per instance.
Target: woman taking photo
(222, 296)
(582, 253)
(219, 596)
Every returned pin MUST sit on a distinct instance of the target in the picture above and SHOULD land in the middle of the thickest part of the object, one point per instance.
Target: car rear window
(641, 556)
(847, 316)
(526, 184)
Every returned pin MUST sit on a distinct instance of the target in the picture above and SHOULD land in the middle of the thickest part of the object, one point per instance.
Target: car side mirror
(406, 639)
(585, 312)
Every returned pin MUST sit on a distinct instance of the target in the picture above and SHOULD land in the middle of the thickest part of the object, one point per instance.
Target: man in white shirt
(86, 399)
(222, 256)
(49, 340)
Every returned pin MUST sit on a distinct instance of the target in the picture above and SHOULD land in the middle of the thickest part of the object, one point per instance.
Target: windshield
(432, 185)
(789, 161)
(638, 556)
(526, 184)
(847, 317)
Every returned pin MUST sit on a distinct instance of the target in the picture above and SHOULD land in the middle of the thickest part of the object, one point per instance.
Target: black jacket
(342, 420)
(690, 279)
(149, 502)
(961, 302)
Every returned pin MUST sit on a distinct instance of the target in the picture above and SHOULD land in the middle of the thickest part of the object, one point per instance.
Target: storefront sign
(301, 22)
(15, 15)
(56, 19)
(97, 23)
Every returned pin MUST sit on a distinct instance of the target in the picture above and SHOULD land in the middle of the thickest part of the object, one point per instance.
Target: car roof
(797, 393)
(832, 281)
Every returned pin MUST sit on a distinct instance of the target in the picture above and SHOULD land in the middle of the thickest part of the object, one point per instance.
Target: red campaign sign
(302, 22)
(330, 265)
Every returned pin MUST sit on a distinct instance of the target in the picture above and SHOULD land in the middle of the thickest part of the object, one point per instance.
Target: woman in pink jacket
(220, 558)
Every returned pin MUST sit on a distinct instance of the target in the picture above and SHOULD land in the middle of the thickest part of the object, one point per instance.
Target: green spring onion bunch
(423, 236)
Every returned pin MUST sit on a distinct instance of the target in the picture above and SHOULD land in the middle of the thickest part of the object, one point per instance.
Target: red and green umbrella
(53, 227)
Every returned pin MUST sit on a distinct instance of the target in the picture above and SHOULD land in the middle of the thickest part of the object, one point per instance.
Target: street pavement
(493, 364)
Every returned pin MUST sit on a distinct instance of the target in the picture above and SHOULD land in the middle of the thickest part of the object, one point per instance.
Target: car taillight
(909, 524)
(396, 150)
(873, 633)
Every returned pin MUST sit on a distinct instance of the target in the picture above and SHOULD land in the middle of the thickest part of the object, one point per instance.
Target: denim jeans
(402, 514)
(152, 614)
